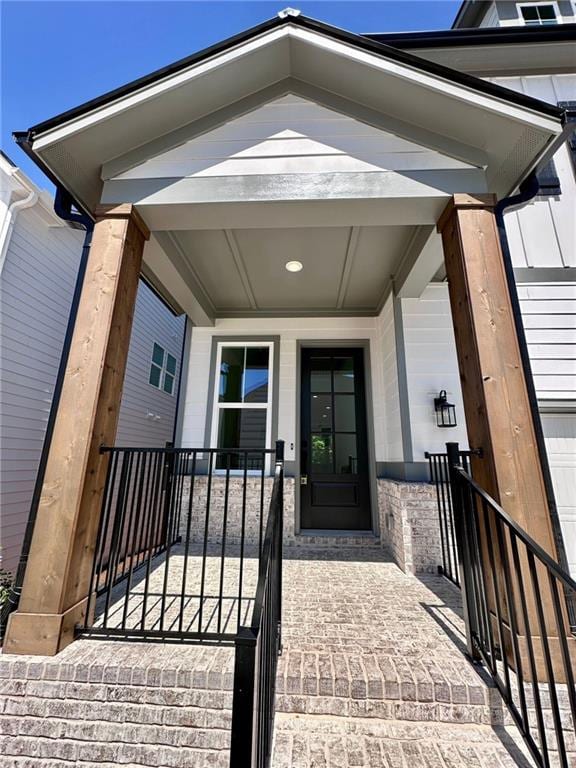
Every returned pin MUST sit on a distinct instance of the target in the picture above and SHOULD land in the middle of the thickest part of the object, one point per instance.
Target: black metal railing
(258, 645)
(515, 599)
(440, 478)
(180, 537)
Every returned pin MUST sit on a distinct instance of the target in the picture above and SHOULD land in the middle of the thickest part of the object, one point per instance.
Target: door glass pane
(345, 415)
(231, 370)
(346, 455)
(256, 375)
(343, 374)
(241, 428)
(321, 413)
(320, 374)
(322, 453)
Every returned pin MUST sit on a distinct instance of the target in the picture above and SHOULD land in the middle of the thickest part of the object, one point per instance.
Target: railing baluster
(187, 542)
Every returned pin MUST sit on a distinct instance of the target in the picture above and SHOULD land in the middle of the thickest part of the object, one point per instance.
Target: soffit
(513, 134)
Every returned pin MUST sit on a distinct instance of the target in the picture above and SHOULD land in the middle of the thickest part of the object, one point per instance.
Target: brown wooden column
(57, 577)
(498, 415)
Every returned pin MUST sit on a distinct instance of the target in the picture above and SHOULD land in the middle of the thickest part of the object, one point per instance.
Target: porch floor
(372, 674)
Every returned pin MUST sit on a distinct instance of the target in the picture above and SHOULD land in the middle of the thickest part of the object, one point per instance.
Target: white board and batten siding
(36, 288)
(543, 233)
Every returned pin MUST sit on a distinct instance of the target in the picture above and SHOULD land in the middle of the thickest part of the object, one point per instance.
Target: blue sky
(56, 55)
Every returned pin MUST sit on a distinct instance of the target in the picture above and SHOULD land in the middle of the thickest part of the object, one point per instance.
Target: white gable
(291, 135)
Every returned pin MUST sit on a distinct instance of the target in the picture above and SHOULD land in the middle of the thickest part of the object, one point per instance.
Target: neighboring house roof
(449, 38)
(74, 146)
(471, 13)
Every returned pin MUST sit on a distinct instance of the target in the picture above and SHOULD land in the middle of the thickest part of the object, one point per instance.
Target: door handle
(303, 479)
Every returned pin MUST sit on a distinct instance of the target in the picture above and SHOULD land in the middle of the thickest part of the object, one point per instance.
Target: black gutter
(63, 206)
(362, 43)
(453, 38)
(527, 192)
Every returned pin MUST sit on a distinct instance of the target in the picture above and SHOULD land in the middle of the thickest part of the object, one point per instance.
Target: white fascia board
(148, 92)
(431, 82)
(379, 63)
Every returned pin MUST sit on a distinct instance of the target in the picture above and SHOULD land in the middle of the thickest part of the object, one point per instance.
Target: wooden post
(56, 582)
(498, 414)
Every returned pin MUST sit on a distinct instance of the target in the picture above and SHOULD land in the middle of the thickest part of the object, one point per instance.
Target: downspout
(63, 204)
(13, 210)
(527, 192)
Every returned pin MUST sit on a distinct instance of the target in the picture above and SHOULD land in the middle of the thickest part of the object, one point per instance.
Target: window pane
(547, 12)
(320, 374)
(241, 428)
(321, 413)
(158, 355)
(155, 375)
(346, 455)
(343, 374)
(345, 416)
(256, 375)
(322, 453)
(231, 370)
(171, 364)
(168, 383)
(529, 14)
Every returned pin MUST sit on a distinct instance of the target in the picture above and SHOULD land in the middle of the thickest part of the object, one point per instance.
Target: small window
(538, 14)
(242, 400)
(162, 369)
(549, 181)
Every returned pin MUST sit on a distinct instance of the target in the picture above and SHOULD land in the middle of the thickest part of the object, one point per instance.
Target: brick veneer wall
(409, 525)
(252, 519)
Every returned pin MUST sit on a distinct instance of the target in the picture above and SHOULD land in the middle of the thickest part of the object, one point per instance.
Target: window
(162, 369)
(538, 14)
(242, 400)
(549, 181)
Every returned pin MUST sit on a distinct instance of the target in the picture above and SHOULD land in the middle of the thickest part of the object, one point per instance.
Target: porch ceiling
(241, 272)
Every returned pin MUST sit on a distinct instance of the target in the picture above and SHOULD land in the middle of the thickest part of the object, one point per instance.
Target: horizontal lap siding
(147, 414)
(387, 413)
(36, 290)
(549, 316)
(431, 365)
(291, 135)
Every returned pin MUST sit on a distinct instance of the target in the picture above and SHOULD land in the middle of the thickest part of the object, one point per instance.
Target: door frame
(363, 344)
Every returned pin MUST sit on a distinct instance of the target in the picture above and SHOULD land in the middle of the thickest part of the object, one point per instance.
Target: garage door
(560, 436)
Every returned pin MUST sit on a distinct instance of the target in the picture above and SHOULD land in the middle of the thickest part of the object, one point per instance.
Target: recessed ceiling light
(294, 266)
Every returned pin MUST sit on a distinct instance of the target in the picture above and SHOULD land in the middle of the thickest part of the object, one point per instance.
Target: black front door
(334, 484)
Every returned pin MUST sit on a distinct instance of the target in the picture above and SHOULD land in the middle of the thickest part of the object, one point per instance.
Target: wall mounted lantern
(445, 411)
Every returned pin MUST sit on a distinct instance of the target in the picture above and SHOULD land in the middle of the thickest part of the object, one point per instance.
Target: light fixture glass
(294, 266)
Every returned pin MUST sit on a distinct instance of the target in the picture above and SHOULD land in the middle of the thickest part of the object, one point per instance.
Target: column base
(42, 634)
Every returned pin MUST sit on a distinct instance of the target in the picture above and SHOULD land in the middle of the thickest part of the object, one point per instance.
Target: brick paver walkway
(372, 675)
(373, 672)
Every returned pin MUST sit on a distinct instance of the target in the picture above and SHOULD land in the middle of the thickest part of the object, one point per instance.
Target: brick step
(337, 742)
(52, 752)
(210, 737)
(181, 715)
(321, 541)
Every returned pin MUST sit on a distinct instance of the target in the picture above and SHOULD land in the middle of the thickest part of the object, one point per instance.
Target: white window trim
(553, 3)
(163, 370)
(267, 406)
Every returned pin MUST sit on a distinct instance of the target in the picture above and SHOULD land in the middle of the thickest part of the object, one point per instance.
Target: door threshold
(337, 532)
